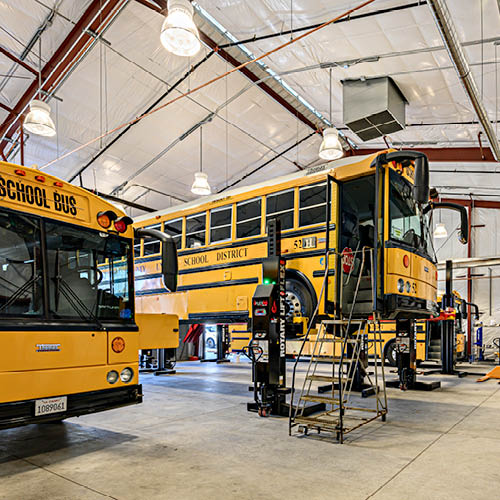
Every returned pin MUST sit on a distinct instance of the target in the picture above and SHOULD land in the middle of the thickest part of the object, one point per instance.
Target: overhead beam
(441, 154)
(12, 57)
(472, 203)
(60, 62)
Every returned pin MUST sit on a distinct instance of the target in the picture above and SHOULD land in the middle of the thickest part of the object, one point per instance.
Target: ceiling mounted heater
(373, 107)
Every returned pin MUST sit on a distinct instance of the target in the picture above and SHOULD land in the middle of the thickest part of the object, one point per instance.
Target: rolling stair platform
(341, 415)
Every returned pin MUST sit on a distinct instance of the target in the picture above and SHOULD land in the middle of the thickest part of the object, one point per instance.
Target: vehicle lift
(267, 349)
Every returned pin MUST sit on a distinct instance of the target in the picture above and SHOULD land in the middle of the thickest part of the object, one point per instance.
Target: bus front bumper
(19, 413)
(401, 307)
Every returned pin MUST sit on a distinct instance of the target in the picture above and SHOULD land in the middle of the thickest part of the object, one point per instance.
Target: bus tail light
(104, 219)
(122, 223)
(406, 261)
(20, 172)
(118, 345)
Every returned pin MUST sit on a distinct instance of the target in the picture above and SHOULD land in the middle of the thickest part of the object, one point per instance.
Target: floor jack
(448, 352)
(406, 356)
(267, 349)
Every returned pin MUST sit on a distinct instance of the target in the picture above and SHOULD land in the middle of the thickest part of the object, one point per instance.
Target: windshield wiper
(72, 298)
(20, 291)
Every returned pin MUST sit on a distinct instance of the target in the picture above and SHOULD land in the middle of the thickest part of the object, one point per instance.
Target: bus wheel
(390, 353)
(298, 300)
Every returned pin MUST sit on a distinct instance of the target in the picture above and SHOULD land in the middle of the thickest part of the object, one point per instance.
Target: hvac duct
(373, 107)
(449, 35)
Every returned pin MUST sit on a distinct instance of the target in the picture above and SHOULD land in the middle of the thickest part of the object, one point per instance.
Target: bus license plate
(50, 405)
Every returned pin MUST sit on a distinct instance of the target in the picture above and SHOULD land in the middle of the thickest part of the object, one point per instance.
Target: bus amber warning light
(118, 345)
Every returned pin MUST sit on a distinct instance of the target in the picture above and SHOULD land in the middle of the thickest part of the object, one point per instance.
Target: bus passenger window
(220, 224)
(248, 216)
(195, 230)
(312, 204)
(152, 247)
(281, 205)
(137, 250)
(174, 229)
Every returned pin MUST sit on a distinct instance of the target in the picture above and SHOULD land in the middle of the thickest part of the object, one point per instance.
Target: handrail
(311, 322)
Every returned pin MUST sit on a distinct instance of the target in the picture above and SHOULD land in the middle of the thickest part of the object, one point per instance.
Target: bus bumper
(402, 306)
(19, 413)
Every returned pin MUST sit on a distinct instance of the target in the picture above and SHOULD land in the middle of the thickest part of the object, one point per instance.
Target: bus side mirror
(169, 264)
(463, 233)
(421, 173)
(421, 181)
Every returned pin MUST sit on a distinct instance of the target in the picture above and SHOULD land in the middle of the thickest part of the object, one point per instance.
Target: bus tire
(299, 301)
(390, 352)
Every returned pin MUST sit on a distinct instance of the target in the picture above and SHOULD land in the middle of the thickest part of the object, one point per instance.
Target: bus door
(355, 237)
(331, 256)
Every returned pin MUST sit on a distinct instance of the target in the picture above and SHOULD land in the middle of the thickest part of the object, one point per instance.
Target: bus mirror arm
(463, 234)
(169, 264)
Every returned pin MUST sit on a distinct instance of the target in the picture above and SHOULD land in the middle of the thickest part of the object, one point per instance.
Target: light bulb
(38, 120)
(440, 231)
(179, 34)
(200, 185)
(330, 148)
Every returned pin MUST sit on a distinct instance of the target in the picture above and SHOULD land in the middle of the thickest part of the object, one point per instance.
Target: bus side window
(137, 250)
(174, 229)
(195, 230)
(221, 224)
(248, 216)
(281, 205)
(152, 247)
(312, 201)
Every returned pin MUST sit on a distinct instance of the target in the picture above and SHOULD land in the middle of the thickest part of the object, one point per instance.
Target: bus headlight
(408, 287)
(126, 375)
(112, 377)
(401, 285)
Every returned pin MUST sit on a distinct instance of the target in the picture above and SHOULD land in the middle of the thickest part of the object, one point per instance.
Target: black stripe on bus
(216, 284)
(321, 273)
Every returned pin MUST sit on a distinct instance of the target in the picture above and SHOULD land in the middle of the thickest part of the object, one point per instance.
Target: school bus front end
(68, 339)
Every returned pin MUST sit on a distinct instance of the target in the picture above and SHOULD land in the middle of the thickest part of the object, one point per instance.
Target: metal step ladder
(347, 339)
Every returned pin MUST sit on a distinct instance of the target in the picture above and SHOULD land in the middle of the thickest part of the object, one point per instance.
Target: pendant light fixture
(331, 148)
(179, 34)
(440, 229)
(38, 120)
(200, 185)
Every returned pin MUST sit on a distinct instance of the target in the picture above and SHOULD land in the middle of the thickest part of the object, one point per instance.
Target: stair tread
(327, 378)
(321, 399)
(332, 359)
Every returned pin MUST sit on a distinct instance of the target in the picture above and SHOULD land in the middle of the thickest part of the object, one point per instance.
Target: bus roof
(318, 169)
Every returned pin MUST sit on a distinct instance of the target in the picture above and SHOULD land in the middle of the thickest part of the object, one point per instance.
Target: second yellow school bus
(221, 242)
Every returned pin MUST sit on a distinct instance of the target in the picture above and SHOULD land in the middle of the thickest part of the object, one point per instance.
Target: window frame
(259, 217)
(181, 235)
(299, 209)
(292, 210)
(186, 234)
(230, 225)
(159, 226)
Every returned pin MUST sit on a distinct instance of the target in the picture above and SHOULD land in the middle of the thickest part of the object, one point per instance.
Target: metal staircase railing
(349, 334)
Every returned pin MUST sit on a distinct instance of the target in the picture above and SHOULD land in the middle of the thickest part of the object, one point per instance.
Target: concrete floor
(192, 438)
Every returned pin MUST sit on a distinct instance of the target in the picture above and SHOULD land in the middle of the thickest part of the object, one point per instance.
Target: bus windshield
(88, 274)
(407, 224)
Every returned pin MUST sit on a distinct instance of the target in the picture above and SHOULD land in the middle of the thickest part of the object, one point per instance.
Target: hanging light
(179, 34)
(38, 120)
(440, 231)
(331, 148)
(200, 185)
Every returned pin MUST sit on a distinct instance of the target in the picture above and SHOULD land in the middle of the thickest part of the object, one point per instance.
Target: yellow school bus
(342, 207)
(69, 340)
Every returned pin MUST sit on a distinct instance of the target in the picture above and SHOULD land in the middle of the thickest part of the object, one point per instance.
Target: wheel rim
(293, 306)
